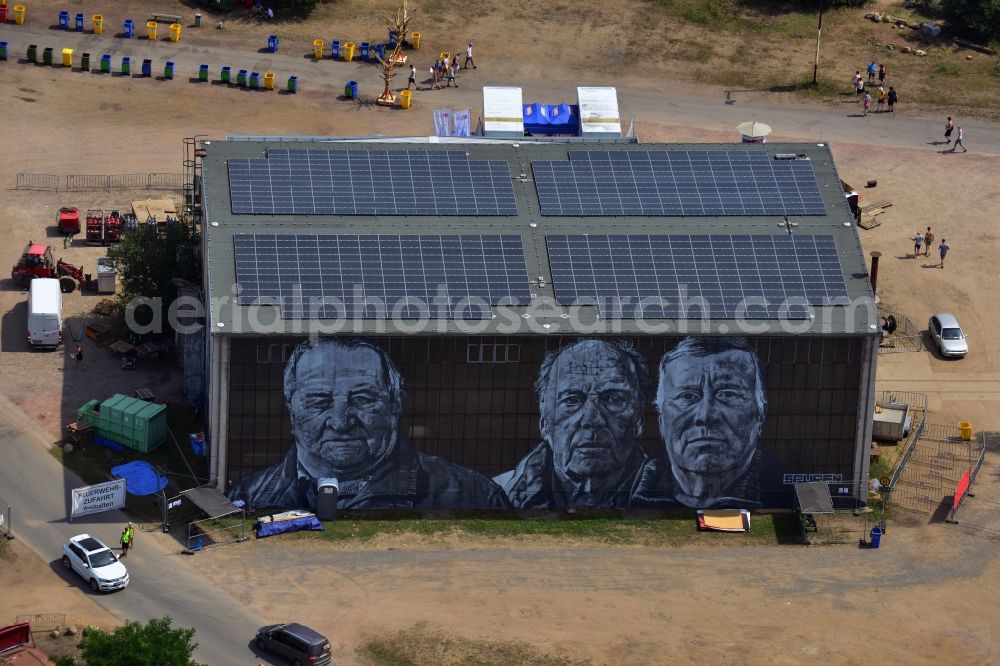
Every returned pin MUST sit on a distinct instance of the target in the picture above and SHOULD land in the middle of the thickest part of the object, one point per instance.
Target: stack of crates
(134, 423)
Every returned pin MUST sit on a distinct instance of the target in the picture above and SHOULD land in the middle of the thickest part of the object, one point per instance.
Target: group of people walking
(885, 99)
(925, 239)
(443, 70)
(949, 127)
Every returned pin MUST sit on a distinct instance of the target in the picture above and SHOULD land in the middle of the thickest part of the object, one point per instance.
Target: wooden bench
(165, 18)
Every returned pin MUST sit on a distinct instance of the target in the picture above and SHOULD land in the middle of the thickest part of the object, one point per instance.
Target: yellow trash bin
(318, 49)
(67, 57)
(19, 14)
(98, 23)
(175, 32)
(965, 431)
(347, 50)
(405, 99)
(151, 30)
(268, 80)
(415, 40)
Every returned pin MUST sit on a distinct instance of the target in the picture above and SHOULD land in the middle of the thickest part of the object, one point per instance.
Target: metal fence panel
(127, 181)
(84, 183)
(165, 181)
(6, 529)
(38, 181)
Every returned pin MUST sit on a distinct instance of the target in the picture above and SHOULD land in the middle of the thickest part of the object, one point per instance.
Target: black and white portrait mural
(345, 398)
(540, 423)
(592, 396)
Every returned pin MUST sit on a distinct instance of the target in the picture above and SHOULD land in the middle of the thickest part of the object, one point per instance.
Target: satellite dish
(889, 324)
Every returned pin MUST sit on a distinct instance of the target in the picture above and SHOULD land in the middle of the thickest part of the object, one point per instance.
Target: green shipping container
(134, 423)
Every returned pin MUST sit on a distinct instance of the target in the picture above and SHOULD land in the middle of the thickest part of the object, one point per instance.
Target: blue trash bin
(272, 43)
(79, 22)
(365, 50)
(392, 39)
(147, 67)
(335, 47)
(128, 28)
(351, 90)
(876, 536)
(3, 50)
(64, 20)
(380, 50)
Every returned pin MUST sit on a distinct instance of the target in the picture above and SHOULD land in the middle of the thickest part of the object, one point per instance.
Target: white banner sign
(442, 122)
(463, 121)
(94, 499)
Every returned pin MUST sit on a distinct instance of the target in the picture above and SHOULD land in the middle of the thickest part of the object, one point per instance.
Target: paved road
(163, 582)
(837, 122)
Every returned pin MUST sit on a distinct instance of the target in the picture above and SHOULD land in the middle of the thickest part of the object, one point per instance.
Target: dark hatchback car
(297, 643)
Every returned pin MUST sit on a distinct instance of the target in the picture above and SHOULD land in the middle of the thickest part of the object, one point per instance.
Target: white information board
(94, 499)
(599, 111)
(503, 113)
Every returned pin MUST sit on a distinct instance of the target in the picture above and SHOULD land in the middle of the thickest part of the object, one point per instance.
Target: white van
(45, 313)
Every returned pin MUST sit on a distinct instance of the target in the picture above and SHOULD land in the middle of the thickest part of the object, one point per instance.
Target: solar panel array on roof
(692, 277)
(676, 183)
(381, 276)
(370, 182)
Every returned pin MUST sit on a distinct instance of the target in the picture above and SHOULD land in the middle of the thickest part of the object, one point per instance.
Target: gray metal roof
(542, 317)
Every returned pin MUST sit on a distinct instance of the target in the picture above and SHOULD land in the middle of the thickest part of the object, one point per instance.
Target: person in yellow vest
(128, 537)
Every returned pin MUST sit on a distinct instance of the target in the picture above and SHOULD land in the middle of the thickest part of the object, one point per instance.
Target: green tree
(147, 260)
(134, 644)
(978, 19)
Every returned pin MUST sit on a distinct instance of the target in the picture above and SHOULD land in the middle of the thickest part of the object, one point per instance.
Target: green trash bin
(47, 56)
(106, 63)
(127, 65)
(33, 53)
(85, 62)
(241, 78)
(225, 74)
(293, 84)
(3, 50)
(203, 72)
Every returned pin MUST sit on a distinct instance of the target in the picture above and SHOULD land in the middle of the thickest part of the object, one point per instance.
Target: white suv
(97, 563)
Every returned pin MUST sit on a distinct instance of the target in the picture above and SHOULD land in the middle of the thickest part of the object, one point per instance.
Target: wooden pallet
(872, 205)
(869, 220)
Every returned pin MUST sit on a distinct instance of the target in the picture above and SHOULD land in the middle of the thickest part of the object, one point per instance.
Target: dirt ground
(927, 596)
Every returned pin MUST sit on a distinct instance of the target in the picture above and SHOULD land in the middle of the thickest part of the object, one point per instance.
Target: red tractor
(36, 262)
(113, 228)
(69, 221)
(95, 227)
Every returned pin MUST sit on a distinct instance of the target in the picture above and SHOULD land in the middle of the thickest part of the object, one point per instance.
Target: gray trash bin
(327, 491)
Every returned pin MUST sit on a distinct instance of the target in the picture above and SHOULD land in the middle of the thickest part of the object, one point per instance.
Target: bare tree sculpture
(385, 68)
(399, 25)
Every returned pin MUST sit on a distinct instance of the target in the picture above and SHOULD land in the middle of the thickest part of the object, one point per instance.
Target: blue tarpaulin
(266, 528)
(140, 478)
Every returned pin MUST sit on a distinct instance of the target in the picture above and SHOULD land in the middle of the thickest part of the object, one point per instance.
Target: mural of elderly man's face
(343, 416)
(592, 413)
(709, 416)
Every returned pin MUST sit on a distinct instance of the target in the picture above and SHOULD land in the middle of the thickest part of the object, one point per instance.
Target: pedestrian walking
(413, 78)
(128, 539)
(882, 73)
(452, 77)
(871, 71)
(882, 97)
(78, 355)
(893, 98)
(959, 142)
(948, 127)
(943, 250)
(859, 85)
(928, 241)
(435, 80)
(917, 241)
(468, 57)
(454, 61)
(867, 102)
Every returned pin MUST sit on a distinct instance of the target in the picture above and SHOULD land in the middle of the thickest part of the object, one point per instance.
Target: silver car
(948, 335)
(95, 562)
